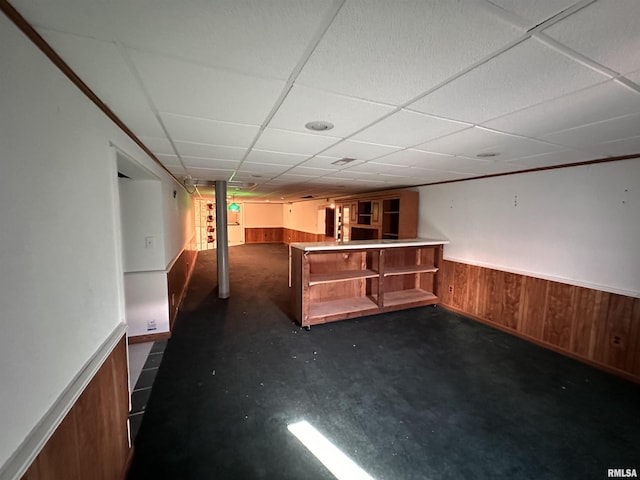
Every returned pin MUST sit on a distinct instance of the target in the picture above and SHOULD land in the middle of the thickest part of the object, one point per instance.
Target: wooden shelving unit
(385, 215)
(336, 281)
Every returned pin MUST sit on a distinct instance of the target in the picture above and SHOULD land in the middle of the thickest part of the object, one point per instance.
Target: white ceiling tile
(405, 129)
(429, 176)
(555, 158)
(192, 149)
(525, 75)
(359, 150)
(79, 17)
(411, 157)
(587, 136)
(263, 38)
(476, 140)
(198, 130)
(263, 168)
(375, 168)
(534, 12)
(209, 173)
(184, 88)
(199, 162)
(323, 162)
(158, 145)
(177, 170)
(601, 102)
(348, 115)
(634, 77)
(314, 172)
(100, 65)
(374, 181)
(623, 146)
(293, 142)
(295, 178)
(276, 158)
(169, 161)
(347, 174)
(370, 42)
(456, 164)
(608, 31)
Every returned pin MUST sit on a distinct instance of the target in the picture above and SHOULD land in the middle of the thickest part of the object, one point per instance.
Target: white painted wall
(303, 216)
(146, 302)
(265, 215)
(142, 217)
(578, 225)
(61, 288)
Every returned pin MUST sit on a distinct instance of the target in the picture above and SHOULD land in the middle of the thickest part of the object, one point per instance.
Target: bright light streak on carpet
(341, 466)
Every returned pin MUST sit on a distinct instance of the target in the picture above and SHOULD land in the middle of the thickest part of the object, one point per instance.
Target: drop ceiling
(418, 91)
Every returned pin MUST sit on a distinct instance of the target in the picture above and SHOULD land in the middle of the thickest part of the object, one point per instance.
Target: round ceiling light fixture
(319, 126)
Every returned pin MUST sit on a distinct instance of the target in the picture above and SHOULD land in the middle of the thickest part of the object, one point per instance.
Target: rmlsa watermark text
(622, 473)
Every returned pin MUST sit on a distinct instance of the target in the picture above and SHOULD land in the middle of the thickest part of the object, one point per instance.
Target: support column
(222, 239)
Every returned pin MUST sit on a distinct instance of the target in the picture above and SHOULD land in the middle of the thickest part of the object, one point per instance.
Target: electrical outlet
(150, 242)
(616, 340)
(450, 288)
(151, 325)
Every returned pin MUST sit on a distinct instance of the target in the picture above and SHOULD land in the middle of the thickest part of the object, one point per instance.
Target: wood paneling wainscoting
(596, 327)
(93, 439)
(281, 235)
(293, 236)
(264, 235)
(178, 277)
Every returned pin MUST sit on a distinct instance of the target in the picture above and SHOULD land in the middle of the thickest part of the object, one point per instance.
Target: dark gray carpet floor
(417, 394)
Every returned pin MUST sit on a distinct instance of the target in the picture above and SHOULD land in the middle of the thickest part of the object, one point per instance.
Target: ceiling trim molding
(25, 27)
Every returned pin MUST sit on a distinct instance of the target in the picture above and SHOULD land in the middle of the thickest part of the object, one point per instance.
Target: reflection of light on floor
(342, 467)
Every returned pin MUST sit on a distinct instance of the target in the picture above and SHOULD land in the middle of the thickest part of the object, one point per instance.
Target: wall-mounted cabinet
(333, 282)
(389, 215)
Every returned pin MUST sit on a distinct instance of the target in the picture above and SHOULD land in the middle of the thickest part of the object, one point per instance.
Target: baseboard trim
(26, 453)
(549, 346)
(151, 337)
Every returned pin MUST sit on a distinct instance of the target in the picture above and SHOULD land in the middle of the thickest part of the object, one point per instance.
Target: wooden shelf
(337, 282)
(344, 306)
(388, 271)
(403, 297)
(344, 276)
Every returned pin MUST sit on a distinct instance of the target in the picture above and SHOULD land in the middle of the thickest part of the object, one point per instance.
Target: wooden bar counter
(338, 280)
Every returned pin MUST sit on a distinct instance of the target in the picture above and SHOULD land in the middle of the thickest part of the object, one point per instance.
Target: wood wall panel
(489, 301)
(264, 235)
(587, 308)
(93, 439)
(295, 236)
(534, 295)
(511, 297)
(612, 341)
(599, 328)
(558, 317)
(178, 279)
(634, 340)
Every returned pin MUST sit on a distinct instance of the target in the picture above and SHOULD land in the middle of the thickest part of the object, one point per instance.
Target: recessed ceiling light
(319, 126)
(488, 154)
(343, 161)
